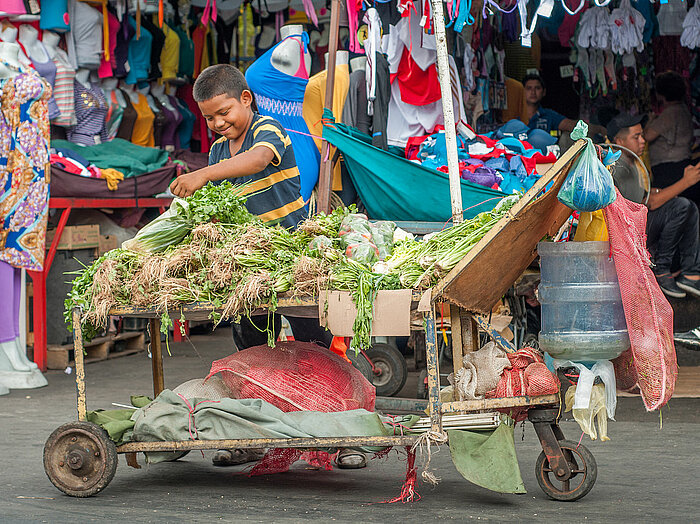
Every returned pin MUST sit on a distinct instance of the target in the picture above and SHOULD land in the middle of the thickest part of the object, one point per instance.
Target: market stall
(569, 472)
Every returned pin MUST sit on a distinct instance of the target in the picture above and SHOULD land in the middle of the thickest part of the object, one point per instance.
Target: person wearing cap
(538, 117)
(673, 222)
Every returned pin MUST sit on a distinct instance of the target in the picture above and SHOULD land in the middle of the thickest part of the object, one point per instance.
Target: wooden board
(101, 348)
(492, 265)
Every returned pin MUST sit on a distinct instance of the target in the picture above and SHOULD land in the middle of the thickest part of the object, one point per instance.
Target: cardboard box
(392, 313)
(107, 243)
(76, 237)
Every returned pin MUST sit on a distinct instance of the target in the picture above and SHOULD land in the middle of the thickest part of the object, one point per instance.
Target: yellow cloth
(591, 227)
(515, 95)
(113, 177)
(170, 55)
(142, 135)
(315, 100)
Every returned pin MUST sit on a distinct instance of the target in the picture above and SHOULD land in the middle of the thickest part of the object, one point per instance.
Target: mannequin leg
(10, 281)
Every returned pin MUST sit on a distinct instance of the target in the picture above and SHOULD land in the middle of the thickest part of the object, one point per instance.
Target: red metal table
(39, 277)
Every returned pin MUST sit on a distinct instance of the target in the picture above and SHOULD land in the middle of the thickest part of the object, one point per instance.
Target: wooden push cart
(80, 459)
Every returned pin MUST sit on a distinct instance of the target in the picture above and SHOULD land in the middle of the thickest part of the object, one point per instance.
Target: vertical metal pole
(443, 68)
(156, 357)
(456, 329)
(79, 365)
(433, 366)
(324, 176)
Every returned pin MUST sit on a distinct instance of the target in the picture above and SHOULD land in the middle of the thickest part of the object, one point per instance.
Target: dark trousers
(252, 331)
(673, 229)
(664, 175)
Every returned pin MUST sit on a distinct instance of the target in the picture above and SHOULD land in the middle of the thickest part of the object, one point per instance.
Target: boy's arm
(248, 163)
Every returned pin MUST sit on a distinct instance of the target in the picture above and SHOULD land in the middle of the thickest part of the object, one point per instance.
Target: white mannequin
(341, 58)
(158, 91)
(8, 35)
(83, 76)
(285, 57)
(267, 37)
(50, 41)
(131, 93)
(9, 53)
(359, 63)
(109, 86)
(29, 38)
(145, 91)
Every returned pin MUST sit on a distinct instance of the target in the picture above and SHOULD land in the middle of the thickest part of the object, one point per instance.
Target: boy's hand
(184, 185)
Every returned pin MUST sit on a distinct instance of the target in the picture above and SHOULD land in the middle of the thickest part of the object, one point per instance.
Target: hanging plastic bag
(166, 230)
(589, 186)
(596, 411)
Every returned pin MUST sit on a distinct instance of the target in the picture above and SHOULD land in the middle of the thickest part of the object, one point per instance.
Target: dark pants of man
(673, 231)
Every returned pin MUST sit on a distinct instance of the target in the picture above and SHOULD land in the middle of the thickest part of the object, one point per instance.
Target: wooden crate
(101, 348)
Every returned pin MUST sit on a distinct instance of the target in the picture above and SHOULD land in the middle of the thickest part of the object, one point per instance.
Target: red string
(408, 490)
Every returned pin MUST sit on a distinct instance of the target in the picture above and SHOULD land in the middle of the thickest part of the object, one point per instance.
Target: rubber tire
(108, 457)
(361, 364)
(422, 391)
(389, 358)
(590, 472)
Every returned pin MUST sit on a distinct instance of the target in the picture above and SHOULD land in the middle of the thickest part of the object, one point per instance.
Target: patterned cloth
(24, 179)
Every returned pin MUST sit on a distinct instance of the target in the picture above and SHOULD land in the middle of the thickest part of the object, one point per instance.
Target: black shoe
(691, 286)
(668, 285)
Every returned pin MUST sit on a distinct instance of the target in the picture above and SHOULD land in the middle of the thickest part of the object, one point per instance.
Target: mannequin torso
(287, 55)
(29, 38)
(9, 60)
(83, 76)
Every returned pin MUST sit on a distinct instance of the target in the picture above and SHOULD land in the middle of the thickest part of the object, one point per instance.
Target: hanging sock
(582, 64)
(544, 10)
(610, 69)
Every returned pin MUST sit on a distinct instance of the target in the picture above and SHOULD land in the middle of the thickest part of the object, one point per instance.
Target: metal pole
(324, 176)
(443, 68)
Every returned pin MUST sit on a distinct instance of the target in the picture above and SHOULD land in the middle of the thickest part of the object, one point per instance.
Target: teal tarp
(130, 159)
(393, 188)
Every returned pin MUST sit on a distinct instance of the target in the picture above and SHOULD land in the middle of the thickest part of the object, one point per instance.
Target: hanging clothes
(380, 106)
(281, 95)
(170, 56)
(417, 86)
(355, 108)
(315, 101)
(139, 55)
(90, 114)
(184, 130)
(121, 64)
(24, 157)
(185, 66)
(84, 40)
(172, 122)
(156, 47)
(115, 114)
(47, 70)
(143, 127)
(159, 121)
(107, 67)
(64, 90)
(129, 116)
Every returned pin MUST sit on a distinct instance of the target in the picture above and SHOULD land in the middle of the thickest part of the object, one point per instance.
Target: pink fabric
(10, 287)
(105, 70)
(13, 7)
(649, 315)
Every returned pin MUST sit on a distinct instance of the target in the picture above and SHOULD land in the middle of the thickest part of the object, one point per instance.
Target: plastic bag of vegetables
(166, 230)
(383, 237)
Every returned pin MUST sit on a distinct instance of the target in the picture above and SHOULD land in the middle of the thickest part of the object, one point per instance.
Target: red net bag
(527, 375)
(296, 376)
(649, 315)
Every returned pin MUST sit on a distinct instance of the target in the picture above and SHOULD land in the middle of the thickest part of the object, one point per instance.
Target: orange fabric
(142, 135)
(339, 347)
(515, 95)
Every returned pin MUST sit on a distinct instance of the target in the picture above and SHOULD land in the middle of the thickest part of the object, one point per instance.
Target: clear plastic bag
(355, 223)
(589, 186)
(320, 245)
(383, 237)
(596, 410)
(364, 253)
(167, 230)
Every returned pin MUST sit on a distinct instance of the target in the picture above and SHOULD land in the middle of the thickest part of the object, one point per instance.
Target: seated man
(673, 222)
(538, 117)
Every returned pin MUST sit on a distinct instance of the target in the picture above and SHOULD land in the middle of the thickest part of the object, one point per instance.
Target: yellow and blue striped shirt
(279, 200)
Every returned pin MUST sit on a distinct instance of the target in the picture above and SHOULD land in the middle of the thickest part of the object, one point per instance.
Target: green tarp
(130, 159)
(487, 458)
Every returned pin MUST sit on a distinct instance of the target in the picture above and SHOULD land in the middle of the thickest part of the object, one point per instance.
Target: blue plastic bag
(589, 186)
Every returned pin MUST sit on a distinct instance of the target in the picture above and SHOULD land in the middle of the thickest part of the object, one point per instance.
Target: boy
(252, 148)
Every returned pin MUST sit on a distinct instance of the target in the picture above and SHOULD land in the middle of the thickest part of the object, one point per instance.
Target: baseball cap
(622, 121)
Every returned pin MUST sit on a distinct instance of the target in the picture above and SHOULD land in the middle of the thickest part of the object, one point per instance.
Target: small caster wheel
(583, 473)
(80, 459)
(390, 370)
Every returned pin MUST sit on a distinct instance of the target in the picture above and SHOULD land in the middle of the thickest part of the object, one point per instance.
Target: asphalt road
(645, 473)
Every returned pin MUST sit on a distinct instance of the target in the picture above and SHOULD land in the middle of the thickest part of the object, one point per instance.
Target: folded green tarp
(130, 159)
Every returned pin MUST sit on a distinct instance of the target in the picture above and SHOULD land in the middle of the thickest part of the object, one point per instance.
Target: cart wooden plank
(483, 276)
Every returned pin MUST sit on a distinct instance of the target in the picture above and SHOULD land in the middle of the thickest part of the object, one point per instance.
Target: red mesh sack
(625, 372)
(527, 375)
(296, 376)
(649, 315)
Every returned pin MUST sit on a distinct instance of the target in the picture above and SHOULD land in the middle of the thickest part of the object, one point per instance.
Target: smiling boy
(252, 148)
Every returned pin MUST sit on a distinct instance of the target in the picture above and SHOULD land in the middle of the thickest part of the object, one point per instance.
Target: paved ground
(646, 473)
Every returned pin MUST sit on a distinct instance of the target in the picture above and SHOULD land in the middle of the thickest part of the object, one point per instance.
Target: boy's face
(227, 115)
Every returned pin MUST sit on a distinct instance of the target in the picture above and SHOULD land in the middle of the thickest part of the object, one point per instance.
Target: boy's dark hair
(534, 76)
(671, 86)
(218, 80)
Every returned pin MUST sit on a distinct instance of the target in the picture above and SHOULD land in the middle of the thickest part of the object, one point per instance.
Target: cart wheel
(361, 363)
(583, 473)
(80, 459)
(422, 391)
(390, 370)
